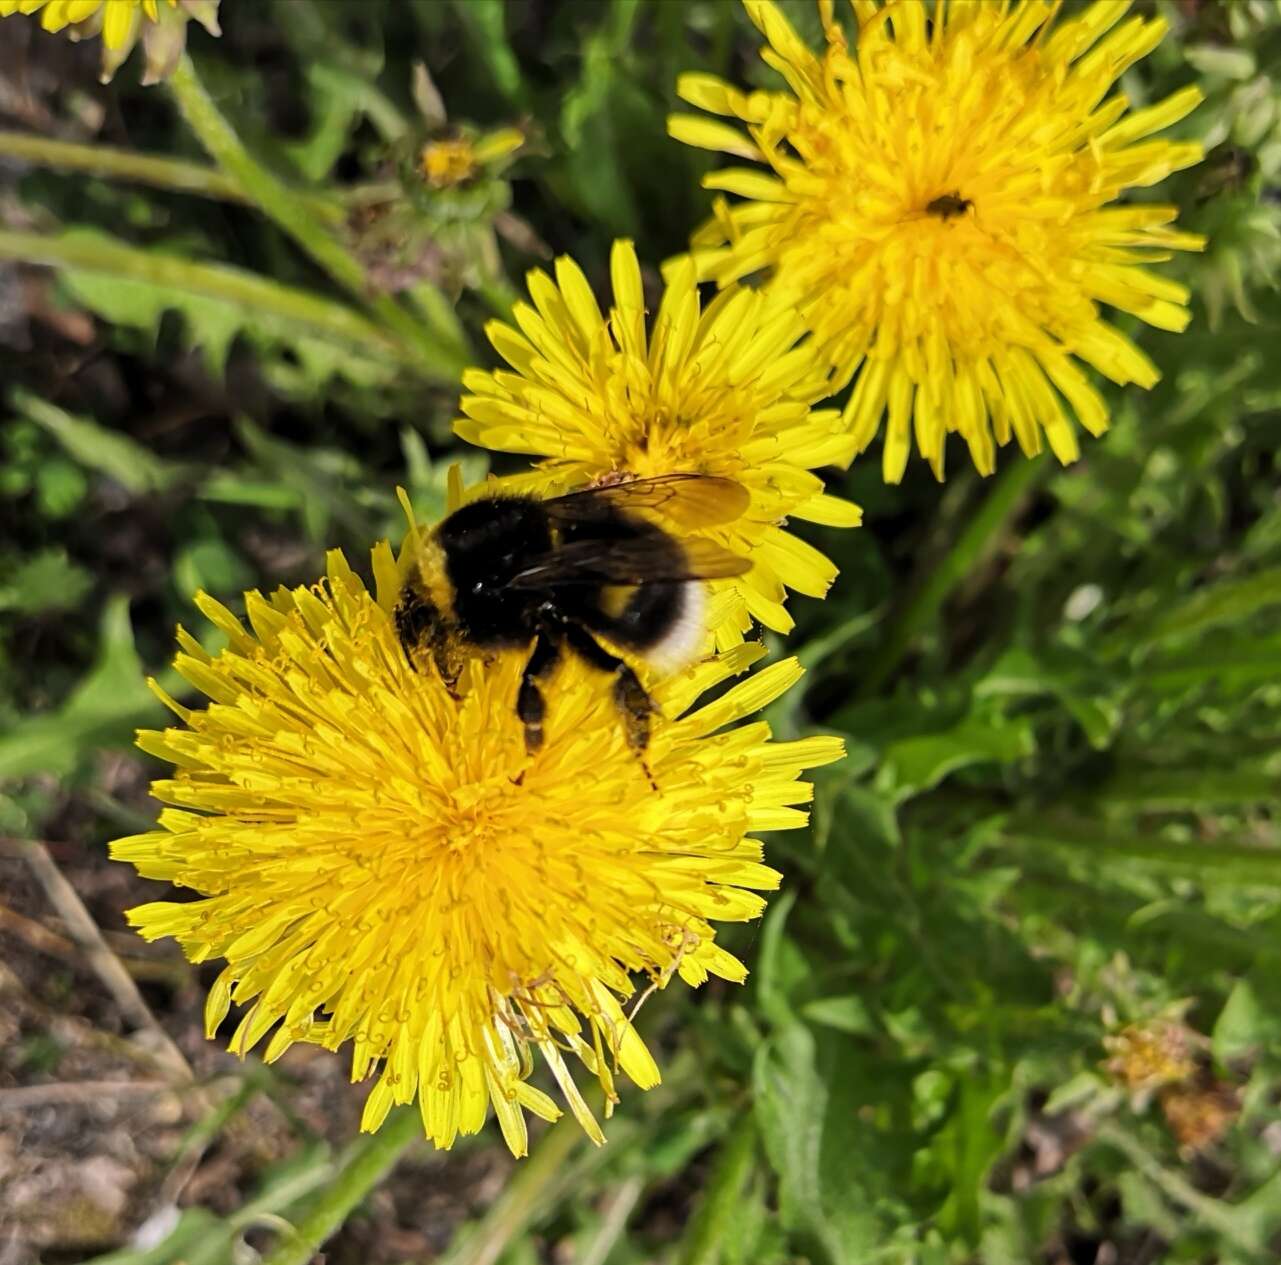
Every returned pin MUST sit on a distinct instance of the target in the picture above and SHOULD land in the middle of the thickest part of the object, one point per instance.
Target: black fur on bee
(560, 575)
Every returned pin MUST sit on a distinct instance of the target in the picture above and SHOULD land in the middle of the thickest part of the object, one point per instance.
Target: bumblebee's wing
(690, 500)
(628, 562)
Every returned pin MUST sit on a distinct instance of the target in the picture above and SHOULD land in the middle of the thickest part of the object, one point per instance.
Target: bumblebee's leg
(530, 705)
(449, 663)
(419, 627)
(634, 703)
(416, 620)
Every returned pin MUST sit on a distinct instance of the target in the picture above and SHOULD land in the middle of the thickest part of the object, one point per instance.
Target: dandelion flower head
(723, 390)
(382, 864)
(160, 23)
(941, 204)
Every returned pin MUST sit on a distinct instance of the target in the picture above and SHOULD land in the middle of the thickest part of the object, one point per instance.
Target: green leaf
(213, 324)
(1227, 602)
(47, 581)
(1210, 861)
(1019, 674)
(135, 287)
(595, 143)
(1245, 1024)
(916, 764)
(1213, 59)
(780, 965)
(845, 1014)
(1189, 788)
(103, 710)
(108, 452)
(812, 1136)
(485, 22)
(963, 1151)
(61, 486)
(324, 482)
(713, 1223)
(229, 488)
(972, 541)
(211, 564)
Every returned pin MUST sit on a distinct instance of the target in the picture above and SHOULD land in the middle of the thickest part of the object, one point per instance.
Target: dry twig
(106, 965)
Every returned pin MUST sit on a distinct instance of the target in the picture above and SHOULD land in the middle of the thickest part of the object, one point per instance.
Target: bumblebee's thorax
(483, 546)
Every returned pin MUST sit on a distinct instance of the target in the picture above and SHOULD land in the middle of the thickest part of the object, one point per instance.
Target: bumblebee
(510, 571)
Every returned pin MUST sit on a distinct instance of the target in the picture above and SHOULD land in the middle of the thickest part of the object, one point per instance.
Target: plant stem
(977, 538)
(525, 1193)
(98, 253)
(281, 205)
(366, 1163)
(150, 169)
(1219, 860)
(1220, 1217)
(711, 1222)
(613, 1223)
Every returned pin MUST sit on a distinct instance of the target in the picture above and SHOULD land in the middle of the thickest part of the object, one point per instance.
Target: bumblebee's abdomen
(662, 622)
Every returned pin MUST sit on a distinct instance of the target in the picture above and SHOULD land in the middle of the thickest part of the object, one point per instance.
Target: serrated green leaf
(109, 452)
(134, 287)
(813, 1141)
(47, 581)
(103, 710)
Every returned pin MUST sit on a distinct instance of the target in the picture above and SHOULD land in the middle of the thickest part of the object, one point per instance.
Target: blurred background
(1018, 999)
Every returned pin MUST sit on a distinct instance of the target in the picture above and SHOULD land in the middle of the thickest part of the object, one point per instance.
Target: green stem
(980, 535)
(1185, 788)
(499, 297)
(525, 1194)
(280, 204)
(96, 253)
(1211, 1212)
(711, 1223)
(1209, 861)
(123, 164)
(364, 1166)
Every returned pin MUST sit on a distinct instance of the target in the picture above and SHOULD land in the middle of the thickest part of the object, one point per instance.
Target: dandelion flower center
(939, 211)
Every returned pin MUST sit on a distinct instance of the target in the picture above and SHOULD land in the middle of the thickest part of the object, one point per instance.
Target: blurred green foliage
(1060, 689)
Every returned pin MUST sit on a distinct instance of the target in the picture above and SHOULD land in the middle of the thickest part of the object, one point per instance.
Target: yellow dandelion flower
(453, 160)
(381, 863)
(725, 391)
(939, 206)
(162, 26)
(448, 161)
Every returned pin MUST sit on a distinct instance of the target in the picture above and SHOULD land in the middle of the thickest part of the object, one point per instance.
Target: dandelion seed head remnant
(942, 205)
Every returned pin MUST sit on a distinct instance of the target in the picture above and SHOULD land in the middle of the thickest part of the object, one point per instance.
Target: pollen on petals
(941, 206)
(382, 866)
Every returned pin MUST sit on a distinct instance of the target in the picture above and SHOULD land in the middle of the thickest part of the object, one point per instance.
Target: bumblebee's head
(487, 542)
